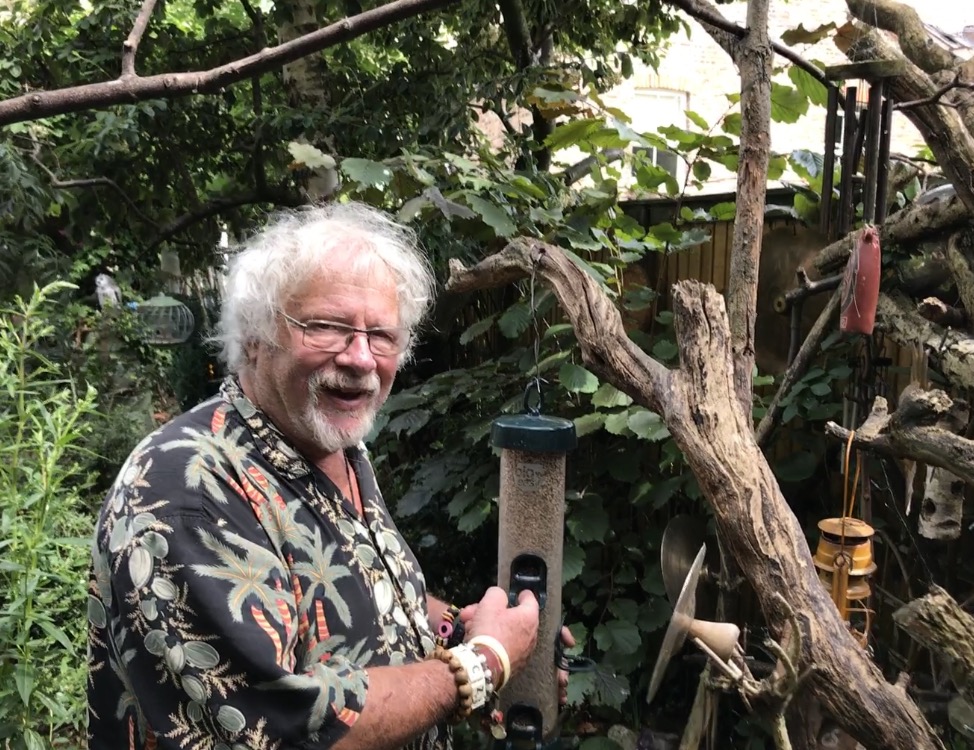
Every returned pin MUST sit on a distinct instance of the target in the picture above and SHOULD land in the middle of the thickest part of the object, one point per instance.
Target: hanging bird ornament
(107, 291)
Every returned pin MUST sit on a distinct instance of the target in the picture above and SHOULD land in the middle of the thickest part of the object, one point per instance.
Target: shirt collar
(270, 441)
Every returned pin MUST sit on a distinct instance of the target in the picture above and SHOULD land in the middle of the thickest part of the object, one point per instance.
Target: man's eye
(319, 326)
(385, 335)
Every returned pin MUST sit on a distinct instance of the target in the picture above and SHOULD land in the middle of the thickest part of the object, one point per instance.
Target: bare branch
(725, 32)
(606, 348)
(38, 104)
(934, 98)
(276, 197)
(579, 169)
(923, 428)
(797, 369)
(131, 45)
(752, 187)
(906, 23)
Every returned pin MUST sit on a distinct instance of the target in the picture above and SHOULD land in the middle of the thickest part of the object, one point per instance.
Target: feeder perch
(529, 556)
(167, 319)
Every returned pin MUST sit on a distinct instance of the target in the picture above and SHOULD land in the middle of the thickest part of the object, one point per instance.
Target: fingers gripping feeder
(529, 556)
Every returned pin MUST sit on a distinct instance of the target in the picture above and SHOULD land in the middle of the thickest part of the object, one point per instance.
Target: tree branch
(131, 45)
(952, 350)
(906, 23)
(923, 428)
(752, 187)
(607, 350)
(579, 169)
(903, 227)
(937, 95)
(275, 196)
(517, 31)
(942, 128)
(797, 369)
(38, 104)
(725, 32)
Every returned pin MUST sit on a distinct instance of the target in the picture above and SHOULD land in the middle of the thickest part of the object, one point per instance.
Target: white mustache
(344, 382)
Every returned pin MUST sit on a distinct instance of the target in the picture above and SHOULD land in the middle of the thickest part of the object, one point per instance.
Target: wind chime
(844, 559)
(530, 554)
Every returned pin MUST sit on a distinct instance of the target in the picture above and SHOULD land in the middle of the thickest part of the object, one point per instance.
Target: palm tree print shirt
(236, 596)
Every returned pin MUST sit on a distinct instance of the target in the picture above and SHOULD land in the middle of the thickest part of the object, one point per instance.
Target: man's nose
(357, 354)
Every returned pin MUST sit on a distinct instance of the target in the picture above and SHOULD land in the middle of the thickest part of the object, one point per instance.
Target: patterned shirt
(236, 596)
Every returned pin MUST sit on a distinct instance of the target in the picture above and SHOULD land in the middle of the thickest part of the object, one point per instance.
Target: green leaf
(56, 633)
(515, 320)
(697, 120)
(366, 172)
(647, 425)
(663, 491)
(821, 388)
(618, 636)
(576, 379)
(801, 35)
(701, 170)
(33, 741)
(309, 156)
(724, 211)
(588, 521)
(588, 423)
(477, 329)
(572, 562)
(608, 397)
(732, 124)
(810, 87)
(474, 518)
(572, 133)
(797, 467)
(788, 104)
(665, 350)
(410, 421)
(493, 216)
(24, 680)
(618, 424)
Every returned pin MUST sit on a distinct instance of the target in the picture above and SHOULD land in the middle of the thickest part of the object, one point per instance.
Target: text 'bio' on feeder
(529, 556)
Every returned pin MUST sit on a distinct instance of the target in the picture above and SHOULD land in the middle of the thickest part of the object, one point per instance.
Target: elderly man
(249, 587)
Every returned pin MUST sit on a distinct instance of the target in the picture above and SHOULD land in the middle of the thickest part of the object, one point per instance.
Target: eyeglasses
(328, 336)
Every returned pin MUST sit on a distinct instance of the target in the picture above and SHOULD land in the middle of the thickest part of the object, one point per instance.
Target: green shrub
(43, 533)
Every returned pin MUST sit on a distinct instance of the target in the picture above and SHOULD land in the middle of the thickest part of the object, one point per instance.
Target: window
(651, 109)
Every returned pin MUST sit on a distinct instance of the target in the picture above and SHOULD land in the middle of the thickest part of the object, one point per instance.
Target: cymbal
(683, 614)
(681, 540)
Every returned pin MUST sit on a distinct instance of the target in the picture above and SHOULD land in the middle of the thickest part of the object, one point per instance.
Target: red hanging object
(860, 285)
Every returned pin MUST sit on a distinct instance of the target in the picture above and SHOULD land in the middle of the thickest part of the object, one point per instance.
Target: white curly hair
(264, 271)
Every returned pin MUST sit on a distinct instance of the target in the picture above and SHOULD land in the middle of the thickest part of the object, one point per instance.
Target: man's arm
(402, 703)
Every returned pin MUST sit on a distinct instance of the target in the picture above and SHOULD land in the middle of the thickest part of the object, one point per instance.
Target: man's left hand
(567, 640)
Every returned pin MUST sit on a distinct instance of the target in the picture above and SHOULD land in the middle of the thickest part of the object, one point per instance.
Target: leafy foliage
(43, 423)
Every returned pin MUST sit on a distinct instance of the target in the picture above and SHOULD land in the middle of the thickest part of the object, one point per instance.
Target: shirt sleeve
(203, 626)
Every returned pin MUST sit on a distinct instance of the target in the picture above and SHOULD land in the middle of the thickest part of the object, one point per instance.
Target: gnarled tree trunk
(700, 406)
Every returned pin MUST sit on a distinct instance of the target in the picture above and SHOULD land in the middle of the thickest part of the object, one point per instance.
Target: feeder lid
(534, 433)
(849, 527)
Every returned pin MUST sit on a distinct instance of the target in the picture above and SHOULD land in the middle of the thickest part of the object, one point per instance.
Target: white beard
(325, 434)
(330, 438)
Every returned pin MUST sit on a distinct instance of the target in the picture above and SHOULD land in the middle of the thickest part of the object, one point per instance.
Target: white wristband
(499, 651)
(470, 661)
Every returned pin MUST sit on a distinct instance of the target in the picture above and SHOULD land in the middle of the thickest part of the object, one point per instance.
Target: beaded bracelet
(473, 680)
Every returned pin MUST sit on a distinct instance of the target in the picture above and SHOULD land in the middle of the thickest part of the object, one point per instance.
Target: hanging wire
(533, 396)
